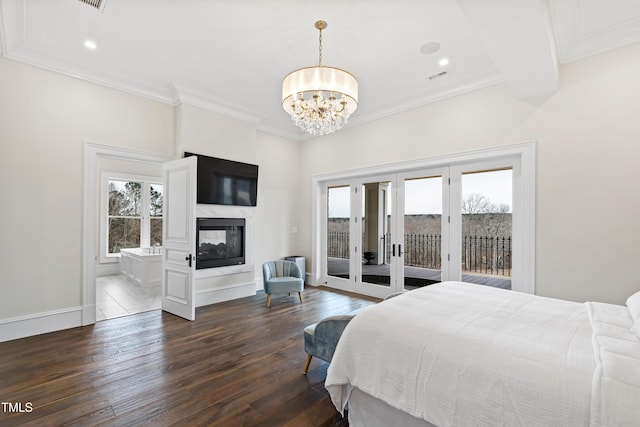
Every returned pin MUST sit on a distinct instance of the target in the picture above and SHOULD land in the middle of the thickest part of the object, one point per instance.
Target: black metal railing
(487, 254)
(480, 254)
(422, 250)
(338, 244)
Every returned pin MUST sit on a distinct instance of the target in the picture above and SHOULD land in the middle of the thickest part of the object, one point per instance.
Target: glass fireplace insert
(220, 242)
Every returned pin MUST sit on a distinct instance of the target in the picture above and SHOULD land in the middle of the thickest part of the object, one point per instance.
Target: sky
(424, 196)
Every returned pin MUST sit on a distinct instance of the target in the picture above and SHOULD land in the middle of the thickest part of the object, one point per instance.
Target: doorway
(468, 221)
(397, 224)
(98, 158)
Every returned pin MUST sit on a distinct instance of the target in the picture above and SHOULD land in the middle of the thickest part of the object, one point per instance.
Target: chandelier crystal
(320, 99)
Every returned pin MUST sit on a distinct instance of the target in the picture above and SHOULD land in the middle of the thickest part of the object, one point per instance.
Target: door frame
(435, 171)
(90, 220)
(517, 213)
(360, 285)
(523, 152)
(345, 284)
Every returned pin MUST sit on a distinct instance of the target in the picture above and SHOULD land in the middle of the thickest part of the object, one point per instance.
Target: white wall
(587, 177)
(276, 213)
(44, 120)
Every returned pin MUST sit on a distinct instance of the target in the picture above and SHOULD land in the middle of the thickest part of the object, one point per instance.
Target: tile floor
(118, 296)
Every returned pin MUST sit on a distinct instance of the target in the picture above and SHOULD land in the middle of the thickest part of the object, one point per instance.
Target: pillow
(633, 304)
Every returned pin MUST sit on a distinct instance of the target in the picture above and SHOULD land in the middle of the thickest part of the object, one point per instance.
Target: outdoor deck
(414, 275)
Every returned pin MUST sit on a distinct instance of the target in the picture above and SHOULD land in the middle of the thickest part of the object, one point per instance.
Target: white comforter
(616, 382)
(456, 354)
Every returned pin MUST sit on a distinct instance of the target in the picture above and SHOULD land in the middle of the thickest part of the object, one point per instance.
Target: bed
(457, 354)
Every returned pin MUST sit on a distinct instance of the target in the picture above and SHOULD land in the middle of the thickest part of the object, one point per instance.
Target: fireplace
(220, 242)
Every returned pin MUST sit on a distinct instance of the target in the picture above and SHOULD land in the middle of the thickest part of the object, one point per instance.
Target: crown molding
(176, 94)
(454, 87)
(184, 95)
(289, 132)
(58, 65)
(574, 43)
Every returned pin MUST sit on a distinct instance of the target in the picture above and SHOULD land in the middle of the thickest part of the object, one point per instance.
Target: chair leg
(268, 300)
(300, 296)
(307, 363)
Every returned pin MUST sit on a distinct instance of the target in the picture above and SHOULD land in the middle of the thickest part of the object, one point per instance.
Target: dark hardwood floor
(238, 364)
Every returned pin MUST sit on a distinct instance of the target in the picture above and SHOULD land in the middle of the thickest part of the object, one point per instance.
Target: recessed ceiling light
(443, 62)
(430, 48)
(90, 44)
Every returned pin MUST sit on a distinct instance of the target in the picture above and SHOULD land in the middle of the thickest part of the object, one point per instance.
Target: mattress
(457, 354)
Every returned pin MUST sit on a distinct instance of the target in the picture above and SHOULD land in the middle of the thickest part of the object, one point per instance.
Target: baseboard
(107, 269)
(40, 323)
(226, 293)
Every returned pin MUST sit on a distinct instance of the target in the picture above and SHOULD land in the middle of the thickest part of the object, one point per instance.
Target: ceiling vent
(98, 4)
(440, 74)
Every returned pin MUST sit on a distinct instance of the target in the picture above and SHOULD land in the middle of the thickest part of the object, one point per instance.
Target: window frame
(145, 214)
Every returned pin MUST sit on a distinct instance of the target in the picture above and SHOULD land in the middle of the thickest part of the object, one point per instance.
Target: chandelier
(320, 99)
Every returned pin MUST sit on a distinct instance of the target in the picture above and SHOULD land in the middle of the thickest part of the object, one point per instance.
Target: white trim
(184, 95)
(524, 151)
(517, 149)
(109, 269)
(40, 323)
(225, 293)
(92, 152)
(519, 280)
(259, 283)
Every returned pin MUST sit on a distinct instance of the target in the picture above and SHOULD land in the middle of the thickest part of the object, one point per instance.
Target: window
(125, 215)
(132, 216)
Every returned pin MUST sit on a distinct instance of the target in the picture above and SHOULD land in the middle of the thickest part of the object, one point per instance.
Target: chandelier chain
(320, 48)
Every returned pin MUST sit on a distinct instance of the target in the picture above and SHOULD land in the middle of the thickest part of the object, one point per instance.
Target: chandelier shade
(320, 99)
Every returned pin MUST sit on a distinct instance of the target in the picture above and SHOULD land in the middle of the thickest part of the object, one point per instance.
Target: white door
(337, 226)
(178, 260)
(422, 221)
(486, 218)
(377, 248)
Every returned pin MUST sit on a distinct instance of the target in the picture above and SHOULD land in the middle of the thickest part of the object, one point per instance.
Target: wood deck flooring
(238, 364)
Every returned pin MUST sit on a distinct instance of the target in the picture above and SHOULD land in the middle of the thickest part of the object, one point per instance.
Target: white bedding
(616, 382)
(457, 354)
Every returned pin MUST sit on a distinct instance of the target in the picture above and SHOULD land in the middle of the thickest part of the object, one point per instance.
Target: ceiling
(231, 56)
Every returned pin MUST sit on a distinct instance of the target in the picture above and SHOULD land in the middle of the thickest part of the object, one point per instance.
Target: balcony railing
(480, 254)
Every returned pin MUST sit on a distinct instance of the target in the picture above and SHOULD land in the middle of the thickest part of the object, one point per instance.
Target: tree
(156, 203)
(481, 217)
(124, 215)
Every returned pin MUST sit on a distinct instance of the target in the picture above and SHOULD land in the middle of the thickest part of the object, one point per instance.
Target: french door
(423, 228)
(372, 228)
(398, 231)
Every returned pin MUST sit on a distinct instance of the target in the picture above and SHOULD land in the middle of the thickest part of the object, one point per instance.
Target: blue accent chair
(282, 276)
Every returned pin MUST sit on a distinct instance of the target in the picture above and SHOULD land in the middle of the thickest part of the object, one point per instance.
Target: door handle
(189, 258)
(399, 250)
(393, 250)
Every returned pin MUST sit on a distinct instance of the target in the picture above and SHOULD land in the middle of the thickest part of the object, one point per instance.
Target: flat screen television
(225, 182)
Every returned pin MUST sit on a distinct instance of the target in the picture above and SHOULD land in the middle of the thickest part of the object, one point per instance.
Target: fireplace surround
(220, 242)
